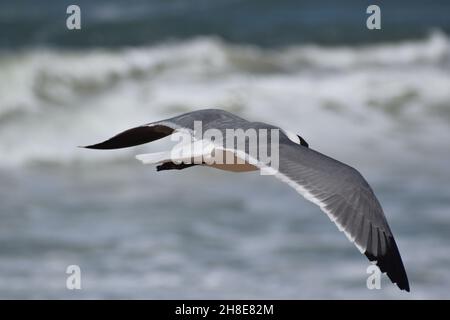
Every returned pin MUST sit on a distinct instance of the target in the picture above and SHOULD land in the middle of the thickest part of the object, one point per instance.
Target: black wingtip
(391, 263)
(99, 146)
(403, 284)
(133, 137)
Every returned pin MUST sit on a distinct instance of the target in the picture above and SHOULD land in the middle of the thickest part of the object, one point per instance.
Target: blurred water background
(377, 100)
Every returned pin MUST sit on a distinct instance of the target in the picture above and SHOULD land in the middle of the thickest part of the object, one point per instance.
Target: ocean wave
(363, 101)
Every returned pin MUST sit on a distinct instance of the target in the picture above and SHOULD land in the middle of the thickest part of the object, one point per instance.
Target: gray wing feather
(348, 200)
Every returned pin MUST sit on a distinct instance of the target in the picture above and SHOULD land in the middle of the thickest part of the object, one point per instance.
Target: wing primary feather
(133, 137)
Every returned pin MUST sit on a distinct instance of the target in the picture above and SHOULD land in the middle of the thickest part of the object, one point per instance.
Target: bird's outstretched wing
(345, 196)
(134, 136)
(160, 129)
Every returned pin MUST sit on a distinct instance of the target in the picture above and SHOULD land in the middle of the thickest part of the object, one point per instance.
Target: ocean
(378, 100)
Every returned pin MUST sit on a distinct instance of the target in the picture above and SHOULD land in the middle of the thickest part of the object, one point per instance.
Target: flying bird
(338, 189)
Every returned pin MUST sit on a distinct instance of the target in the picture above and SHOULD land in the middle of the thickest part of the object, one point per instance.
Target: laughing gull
(338, 189)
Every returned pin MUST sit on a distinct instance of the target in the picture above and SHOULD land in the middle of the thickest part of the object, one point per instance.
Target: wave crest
(394, 93)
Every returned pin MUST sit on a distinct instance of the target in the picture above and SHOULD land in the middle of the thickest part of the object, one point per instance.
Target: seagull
(338, 189)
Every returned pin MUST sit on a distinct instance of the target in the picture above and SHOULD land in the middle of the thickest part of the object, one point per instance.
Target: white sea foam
(352, 102)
